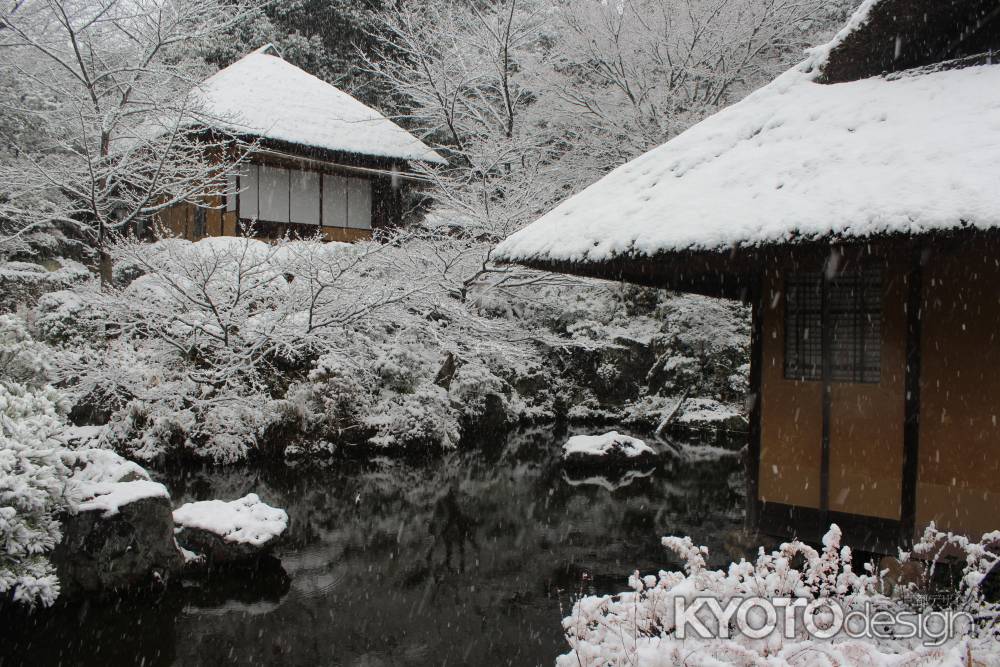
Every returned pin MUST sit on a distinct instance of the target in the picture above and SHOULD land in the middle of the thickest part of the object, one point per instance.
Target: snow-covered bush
(474, 387)
(22, 358)
(340, 388)
(210, 334)
(32, 482)
(63, 318)
(221, 433)
(422, 418)
(21, 283)
(400, 368)
(640, 627)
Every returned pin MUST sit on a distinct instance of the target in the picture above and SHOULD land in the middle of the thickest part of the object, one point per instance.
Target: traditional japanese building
(854, 202)
(321, 160)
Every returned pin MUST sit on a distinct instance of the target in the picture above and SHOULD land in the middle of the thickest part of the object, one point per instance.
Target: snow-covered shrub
(400, 368)
(64, 318)
(32, 481)
(739, 381)
(22, 359)
(147, 432)
(476, 390)
(674, 374)
(220, 433)
(21, 283)
(207, 337)
(340, 389)
(639, 627)
(224, 433)
(608, 375)
(423, 418)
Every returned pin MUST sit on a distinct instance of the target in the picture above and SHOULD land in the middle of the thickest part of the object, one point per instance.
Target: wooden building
(854, 202)
(322, 160)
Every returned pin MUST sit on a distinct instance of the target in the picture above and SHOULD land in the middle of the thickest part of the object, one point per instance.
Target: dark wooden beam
(826, 379)
(718, 274)
(752, 463)
(911, 410)
(866, 533)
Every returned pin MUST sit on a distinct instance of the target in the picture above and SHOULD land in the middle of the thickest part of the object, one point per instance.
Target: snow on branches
(642, 627)
(105, 91)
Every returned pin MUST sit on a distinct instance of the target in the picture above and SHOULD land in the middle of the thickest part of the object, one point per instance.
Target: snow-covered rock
(118, 531)
(226, 532)
(609, 448)
(104, 481)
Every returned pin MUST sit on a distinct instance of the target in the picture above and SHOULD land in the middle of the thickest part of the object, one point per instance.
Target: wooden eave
(729, 273)
(289, 152)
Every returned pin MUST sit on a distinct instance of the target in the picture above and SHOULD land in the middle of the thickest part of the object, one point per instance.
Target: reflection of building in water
(451, 528)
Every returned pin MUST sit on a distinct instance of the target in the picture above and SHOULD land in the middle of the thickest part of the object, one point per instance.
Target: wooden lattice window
(804, 326)
(849, 308)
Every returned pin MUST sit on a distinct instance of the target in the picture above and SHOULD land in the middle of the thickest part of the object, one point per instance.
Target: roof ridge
(267, 47)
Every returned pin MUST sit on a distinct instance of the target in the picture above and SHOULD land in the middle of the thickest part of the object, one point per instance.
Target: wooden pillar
(752, 463)
(911, 410)
(826, 379)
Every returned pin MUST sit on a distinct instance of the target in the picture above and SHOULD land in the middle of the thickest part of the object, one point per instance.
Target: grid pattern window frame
(849, 306)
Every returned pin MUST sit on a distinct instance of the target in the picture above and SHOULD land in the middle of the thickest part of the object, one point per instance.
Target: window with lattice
(849, 307)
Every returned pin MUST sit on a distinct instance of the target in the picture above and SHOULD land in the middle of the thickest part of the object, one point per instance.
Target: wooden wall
(386, 204)
(180, 220)
(866, 420)
(791, 412)
(958, 483)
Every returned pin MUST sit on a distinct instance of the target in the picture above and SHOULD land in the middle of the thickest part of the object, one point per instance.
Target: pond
(469, 560)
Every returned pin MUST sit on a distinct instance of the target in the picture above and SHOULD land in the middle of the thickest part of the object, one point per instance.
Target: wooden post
(911, 419)
(752, 463)
(826, 326)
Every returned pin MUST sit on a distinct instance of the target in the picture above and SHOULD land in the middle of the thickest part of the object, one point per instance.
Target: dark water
(472, 560)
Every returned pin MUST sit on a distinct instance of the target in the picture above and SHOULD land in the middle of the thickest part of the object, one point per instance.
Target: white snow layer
(602, 445)
(262, 95)
(797, 159)
(105, 482)
(243, 521)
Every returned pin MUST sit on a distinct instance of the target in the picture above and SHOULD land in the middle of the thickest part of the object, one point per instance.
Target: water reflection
(470, 560)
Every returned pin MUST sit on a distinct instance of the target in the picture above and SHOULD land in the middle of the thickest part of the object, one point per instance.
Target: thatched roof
(894, 35)
(263, 96)
(800, 159)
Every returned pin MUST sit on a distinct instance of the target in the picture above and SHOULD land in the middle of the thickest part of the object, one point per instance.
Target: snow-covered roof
(798, 159)
(265, 96)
